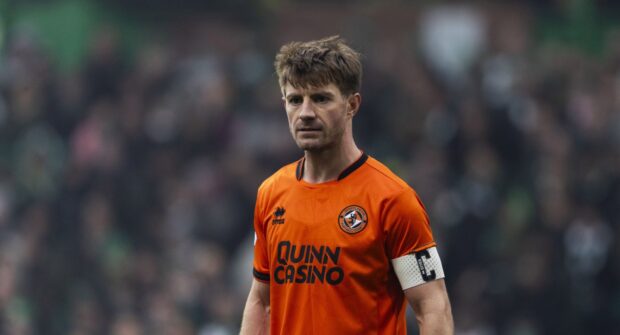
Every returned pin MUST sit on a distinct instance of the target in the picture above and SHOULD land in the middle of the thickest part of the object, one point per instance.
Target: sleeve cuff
(260, 275)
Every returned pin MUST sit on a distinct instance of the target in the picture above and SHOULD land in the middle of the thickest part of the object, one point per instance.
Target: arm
(256, 314)
(432, 307)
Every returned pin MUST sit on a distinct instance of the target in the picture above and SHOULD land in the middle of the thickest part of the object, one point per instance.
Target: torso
(326, 248)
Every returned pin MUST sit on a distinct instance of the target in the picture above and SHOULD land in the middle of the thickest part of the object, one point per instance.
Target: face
(319, 117)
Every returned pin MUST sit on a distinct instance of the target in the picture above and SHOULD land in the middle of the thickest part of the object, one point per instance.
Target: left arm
(417, 264)
(432, 307)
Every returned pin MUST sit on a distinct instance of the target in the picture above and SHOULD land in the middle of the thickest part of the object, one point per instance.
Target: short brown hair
(318, 63)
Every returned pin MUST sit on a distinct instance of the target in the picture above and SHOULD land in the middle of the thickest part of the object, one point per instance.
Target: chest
(345, 220)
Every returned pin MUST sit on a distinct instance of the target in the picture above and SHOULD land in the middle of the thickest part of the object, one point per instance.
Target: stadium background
(133, 136)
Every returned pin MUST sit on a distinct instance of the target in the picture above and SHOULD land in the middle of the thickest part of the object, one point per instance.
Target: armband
(418, 268)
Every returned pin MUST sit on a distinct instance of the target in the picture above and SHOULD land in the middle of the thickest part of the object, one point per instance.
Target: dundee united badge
(353, 219)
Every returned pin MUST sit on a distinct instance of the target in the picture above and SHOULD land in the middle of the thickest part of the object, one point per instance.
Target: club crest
(353, 219)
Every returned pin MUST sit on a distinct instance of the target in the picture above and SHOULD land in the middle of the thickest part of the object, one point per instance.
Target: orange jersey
(325, 249)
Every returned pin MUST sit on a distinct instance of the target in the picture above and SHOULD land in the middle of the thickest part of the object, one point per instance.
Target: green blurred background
(134, 134)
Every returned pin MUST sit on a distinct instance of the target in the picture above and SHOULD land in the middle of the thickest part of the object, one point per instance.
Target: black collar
(299, 172)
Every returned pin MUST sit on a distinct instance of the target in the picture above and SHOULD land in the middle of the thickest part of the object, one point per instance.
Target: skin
(256, 313)
(320, 121)
(432, 307)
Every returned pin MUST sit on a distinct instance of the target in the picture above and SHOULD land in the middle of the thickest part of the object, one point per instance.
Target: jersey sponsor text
(298, 264)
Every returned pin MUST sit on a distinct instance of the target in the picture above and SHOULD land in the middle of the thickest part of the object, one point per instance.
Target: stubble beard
(313, 146)
(322, 143)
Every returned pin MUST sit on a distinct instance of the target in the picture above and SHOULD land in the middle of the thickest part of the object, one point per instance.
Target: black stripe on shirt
(260, 275)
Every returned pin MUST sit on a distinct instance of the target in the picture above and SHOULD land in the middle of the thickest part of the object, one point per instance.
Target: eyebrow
(325, 93)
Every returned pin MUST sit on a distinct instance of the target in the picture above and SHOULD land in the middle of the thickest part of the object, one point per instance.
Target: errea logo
(278, 216)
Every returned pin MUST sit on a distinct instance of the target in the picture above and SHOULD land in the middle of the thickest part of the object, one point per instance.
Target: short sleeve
(261, 260)
(406, 225)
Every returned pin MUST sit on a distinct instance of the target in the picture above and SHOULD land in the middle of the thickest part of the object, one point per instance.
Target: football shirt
(326, 249)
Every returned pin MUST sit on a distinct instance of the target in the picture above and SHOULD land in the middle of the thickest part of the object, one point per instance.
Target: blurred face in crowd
(319, 118)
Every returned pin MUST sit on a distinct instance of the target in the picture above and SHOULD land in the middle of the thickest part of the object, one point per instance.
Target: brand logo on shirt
(278, 216)
(353, 219)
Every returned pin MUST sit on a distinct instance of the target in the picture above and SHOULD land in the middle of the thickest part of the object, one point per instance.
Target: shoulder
(274, 186)
(401, 207)
(392, 192)
(281, 179)
(385, 180)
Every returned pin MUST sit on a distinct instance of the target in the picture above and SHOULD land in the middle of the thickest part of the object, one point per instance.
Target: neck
(326, 165)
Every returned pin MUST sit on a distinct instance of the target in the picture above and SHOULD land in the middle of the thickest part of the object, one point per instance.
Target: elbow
(445, 309)
(432, 308)
(437, 319)
(446, 315)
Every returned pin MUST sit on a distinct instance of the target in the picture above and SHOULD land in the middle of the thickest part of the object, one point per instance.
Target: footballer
(342, 244)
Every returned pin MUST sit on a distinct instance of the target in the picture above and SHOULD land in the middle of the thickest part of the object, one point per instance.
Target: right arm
(256, 314)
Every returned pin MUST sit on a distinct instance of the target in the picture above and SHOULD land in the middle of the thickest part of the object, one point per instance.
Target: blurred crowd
(127, 184)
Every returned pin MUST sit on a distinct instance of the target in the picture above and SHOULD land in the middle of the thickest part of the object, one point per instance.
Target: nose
(307, 110)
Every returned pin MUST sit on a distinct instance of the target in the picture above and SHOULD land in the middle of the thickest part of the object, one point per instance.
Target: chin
(313, 146)
(310, 146)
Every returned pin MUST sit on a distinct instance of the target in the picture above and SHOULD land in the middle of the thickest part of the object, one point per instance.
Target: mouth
(308, 130)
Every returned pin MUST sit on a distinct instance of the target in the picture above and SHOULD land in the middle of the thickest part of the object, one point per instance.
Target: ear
(354, 101)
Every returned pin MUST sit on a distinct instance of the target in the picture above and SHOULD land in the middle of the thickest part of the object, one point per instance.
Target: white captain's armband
(418, 268)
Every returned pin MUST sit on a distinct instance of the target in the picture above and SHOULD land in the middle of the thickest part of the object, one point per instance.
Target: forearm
(255, 319)
(436, 323)
(432, 308)
(256, 313)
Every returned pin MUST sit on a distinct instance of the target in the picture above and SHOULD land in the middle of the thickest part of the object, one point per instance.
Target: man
(341, 242)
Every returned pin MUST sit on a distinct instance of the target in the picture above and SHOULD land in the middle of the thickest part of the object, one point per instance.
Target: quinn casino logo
(353, 219)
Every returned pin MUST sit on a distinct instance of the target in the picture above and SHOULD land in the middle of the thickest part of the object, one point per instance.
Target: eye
(295, 100)
(320, 98)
